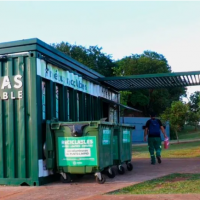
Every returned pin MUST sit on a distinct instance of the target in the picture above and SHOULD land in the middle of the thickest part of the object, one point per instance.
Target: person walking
(152, 129)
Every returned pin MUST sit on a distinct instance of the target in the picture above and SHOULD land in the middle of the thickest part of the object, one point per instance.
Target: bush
(172, 134)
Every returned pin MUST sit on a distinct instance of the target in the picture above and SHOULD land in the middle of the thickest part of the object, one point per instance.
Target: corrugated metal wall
(18, 125)
(87, 108)
(22, 127)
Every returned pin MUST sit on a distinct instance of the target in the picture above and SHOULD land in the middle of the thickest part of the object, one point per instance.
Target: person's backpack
(154, 127)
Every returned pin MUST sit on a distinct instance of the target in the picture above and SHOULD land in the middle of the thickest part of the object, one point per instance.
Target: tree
(194, 102)
(193, 116)
(148, 63)
(92, 57)
(193, 119)
(176, 115)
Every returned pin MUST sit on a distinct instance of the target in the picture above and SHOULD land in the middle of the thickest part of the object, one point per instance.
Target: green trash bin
(122, 147)
(78, 148)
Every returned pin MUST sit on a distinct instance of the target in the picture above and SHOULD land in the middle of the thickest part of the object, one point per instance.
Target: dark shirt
(148, 124)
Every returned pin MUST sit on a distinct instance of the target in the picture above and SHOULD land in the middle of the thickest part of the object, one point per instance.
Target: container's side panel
(53, 98)
(101, 108)
(86, 108)
(39, 116)
(19, 110)
(9, 127)
(89, 109)
(31, 117)
(18, 122)
(62, 103)
(50, 100)
(72, 104)
(75, 105)
(82, 106)
(92, 108)
(98, 109)
(2, 149)
(67, 104)
(95, 108)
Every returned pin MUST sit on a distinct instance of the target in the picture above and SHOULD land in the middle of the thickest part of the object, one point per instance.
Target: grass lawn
(181, 150)
(171, 184)
(189, 132)
(193, 135)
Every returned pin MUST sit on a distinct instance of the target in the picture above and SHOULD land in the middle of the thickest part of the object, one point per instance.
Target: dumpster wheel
(110, 173)
(129, 166)
(121, 169)
(65, 178)
(100, 178)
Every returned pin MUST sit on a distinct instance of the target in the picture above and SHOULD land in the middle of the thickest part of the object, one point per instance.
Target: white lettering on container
(19, 82)
(6, 82)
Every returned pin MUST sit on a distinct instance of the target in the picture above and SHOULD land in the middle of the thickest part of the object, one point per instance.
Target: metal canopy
(121, 105)
(153, 81)
(49, 53)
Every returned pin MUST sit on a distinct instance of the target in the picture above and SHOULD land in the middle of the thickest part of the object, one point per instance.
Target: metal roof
(153, 81)
(35, 44)
(119, 104)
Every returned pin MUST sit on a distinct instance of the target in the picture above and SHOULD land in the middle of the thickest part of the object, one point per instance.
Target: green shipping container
(80, 148)
(39, 83)
(18, 120)
(122, 147)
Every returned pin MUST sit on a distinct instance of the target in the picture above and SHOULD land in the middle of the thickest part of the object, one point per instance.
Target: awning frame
(153, 81)
(116, 103)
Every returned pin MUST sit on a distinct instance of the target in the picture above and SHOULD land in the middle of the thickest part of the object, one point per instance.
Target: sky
(171, 28)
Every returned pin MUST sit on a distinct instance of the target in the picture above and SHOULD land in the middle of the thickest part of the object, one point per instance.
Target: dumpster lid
(119, 104)
(127, 125)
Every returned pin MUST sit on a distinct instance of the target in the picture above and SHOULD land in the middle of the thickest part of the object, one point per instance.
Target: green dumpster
(78, 148)
(122, 147)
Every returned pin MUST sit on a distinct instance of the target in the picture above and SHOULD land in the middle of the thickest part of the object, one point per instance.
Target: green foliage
(194, 102)
(176, 115)
(148, 63)
(172, 134)
(124, 97)
(177, 150)
(92, 57)
(193, 116)
(190, 136)
(170, 184)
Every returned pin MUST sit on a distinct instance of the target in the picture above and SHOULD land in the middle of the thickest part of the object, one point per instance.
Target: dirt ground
(87, 188)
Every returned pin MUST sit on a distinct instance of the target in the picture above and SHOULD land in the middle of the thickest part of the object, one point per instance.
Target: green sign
(80, 151)
(106, 136)
(126, 136)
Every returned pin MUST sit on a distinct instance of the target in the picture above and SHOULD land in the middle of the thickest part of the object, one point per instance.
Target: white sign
(72, 80)
(82, 152)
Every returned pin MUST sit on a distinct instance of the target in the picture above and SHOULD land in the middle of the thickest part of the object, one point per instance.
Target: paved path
(87, 188)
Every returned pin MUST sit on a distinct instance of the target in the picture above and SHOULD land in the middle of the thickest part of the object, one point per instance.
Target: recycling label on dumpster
(106, 136)
(77, 151)
(126, 136)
